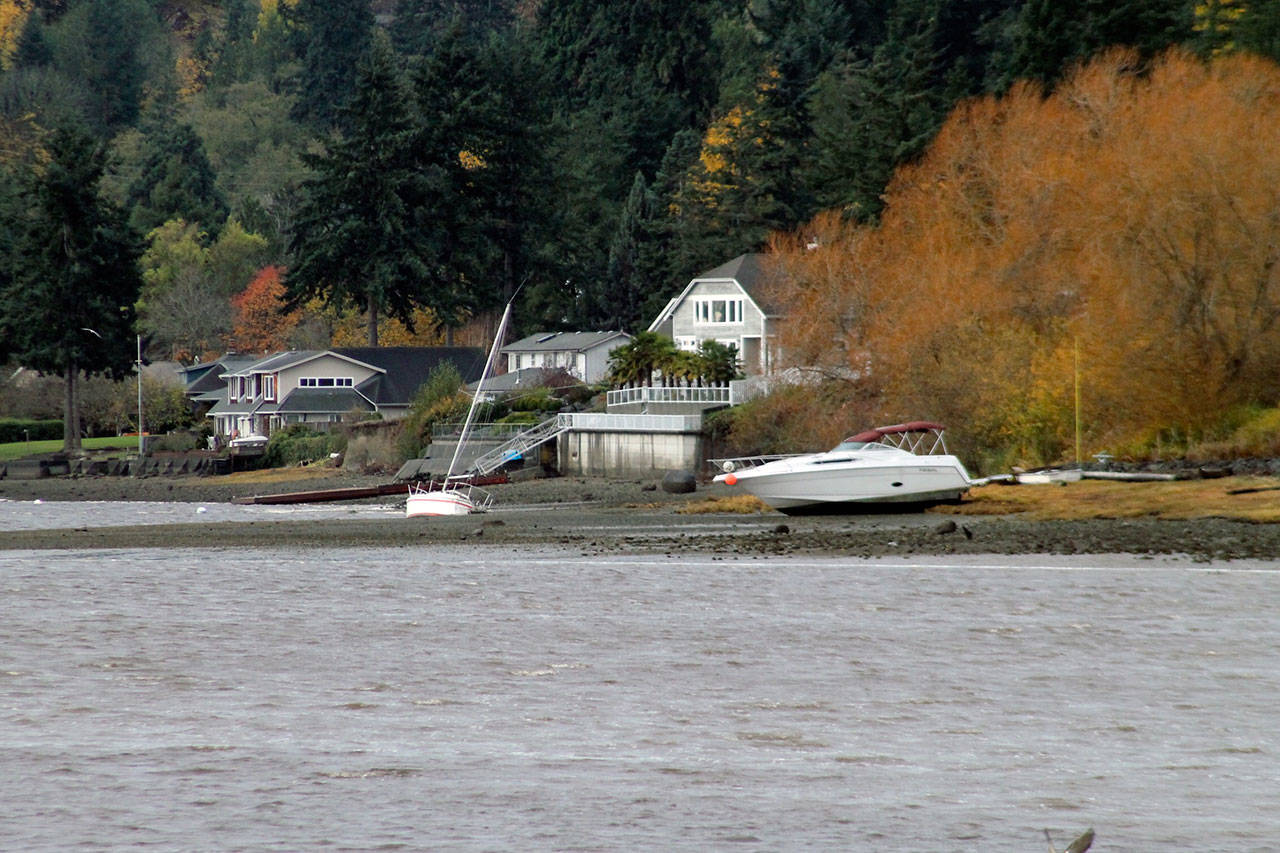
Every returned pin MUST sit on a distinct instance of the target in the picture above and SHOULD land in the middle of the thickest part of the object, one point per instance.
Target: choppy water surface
(483, 699)
(58, 515)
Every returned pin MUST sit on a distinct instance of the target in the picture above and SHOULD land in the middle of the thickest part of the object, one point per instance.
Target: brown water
(483, 699)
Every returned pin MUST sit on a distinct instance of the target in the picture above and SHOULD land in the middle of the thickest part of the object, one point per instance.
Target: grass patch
(740, 504)
(21, 449)
(1098, 499)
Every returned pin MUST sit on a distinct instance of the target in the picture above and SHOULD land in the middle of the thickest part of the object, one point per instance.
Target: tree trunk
(71, 413)
(373, 321)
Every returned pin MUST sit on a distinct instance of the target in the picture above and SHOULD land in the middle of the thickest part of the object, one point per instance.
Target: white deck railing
(710, 395)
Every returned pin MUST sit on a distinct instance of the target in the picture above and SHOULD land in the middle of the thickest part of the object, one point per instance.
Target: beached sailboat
(456, 495)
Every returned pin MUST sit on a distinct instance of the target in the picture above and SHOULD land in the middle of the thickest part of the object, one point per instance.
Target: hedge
(26, 429)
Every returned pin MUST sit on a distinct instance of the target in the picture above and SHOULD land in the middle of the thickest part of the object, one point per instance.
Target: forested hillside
(392, 170)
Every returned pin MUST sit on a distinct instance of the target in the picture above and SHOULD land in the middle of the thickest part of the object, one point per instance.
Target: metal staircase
(519, 444)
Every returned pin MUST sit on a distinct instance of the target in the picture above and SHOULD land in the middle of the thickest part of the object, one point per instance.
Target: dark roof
(322, 400)
(407, 368)
(207, 377)
(748, 271)
(565, 341)
(525, 378)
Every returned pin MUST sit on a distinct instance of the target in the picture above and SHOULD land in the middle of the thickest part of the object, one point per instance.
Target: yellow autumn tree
(13, 17)
(1123, 230)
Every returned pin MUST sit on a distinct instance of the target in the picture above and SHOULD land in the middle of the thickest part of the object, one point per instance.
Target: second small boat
(904, 466)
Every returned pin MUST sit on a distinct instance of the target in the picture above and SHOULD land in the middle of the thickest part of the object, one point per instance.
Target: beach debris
(1082, 842)
(968, 534)
(781, 528)
(945, 528)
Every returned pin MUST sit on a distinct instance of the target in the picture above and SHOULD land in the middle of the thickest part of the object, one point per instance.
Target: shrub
(24, 429)
(298, 444)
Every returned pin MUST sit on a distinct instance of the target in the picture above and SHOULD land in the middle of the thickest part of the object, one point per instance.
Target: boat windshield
(847, 446)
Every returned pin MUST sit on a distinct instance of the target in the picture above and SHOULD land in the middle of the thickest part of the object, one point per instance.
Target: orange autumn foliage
(1128, 224)
(261, 324)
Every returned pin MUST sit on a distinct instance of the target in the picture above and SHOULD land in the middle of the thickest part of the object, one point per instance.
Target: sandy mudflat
(597, 516)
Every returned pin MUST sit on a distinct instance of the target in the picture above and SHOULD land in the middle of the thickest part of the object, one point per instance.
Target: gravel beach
(599, 516)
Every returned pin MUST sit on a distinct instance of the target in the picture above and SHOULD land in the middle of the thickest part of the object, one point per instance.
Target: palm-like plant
(718, 362)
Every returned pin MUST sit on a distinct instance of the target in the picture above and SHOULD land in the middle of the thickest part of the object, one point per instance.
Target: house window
(269, 386)
(325, 382)
(712, 311)
(687, 342)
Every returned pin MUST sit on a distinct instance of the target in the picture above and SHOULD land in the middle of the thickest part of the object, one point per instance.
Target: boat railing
(481, 499)
(738, 463)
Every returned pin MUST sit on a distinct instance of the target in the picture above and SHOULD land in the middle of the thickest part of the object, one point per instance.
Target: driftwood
(1082, 843)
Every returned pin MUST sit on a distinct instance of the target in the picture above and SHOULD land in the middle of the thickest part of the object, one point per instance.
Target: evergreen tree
(68, 306)
(235, 55)
(482, 143)
(1047, 37)
(624, 288)
(333, 36)
(176, 181)
(871, 115)
(1258, 28)
(112, 69)
(420, 24)
(355, 240)
(33, 49)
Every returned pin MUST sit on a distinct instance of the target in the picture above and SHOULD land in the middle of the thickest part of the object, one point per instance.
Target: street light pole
(140, 441)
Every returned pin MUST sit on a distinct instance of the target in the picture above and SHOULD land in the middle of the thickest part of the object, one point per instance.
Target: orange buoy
(731, 480)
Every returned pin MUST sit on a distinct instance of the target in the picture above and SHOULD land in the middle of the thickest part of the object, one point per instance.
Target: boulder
(679, 482)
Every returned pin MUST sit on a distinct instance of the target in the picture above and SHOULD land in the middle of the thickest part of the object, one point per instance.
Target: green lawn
(18, 449)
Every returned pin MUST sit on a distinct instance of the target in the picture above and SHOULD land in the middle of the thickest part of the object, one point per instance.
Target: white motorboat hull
(815, 484)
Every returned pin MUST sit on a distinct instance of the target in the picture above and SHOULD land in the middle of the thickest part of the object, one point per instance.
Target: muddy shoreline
(597, 516)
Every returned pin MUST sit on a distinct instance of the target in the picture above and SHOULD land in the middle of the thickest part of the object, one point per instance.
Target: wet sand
(598, 516)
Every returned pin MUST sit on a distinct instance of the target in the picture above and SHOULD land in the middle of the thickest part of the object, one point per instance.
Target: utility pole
(141, 445)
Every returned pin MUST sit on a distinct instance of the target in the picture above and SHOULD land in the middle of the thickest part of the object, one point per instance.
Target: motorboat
(904, 466)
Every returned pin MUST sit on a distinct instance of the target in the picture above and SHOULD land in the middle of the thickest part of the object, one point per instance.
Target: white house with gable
(584, 355)
(726, 304)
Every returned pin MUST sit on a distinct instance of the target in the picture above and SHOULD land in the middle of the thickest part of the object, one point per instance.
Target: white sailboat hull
(450, 499)
(442, 502)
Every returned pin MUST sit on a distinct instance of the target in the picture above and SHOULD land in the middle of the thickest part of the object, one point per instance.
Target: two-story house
(726, 304)
(321, 387)
(584, 355)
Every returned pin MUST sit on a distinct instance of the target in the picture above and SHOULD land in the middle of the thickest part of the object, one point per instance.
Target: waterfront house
(726, 304)
(584, 355)
(324, 387)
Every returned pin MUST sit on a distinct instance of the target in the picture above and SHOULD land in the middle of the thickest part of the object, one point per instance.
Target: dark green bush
(12, 429)
(298, 444)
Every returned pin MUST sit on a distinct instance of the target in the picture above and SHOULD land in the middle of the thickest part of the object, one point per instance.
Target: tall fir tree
(622, 296)
(1045, 38)
(68, 305)
(332, 36)
(112, 67)
(176, 181)
(355, 240)
(870, 115)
